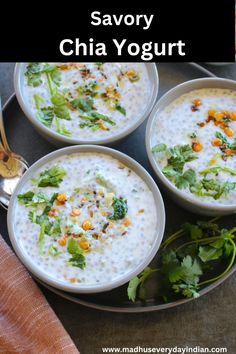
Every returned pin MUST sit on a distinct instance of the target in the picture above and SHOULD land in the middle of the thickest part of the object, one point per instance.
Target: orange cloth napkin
(27, 322)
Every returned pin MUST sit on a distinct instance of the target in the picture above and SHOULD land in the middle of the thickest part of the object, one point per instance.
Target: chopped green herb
(38, 100)
(51, 177)
(53, 251)
(88, 89)
(121, 109)
(54, 73)
(159, 148)
(56, 228)
(84, 104)
(45, 115)
(33, 74)
(61, 129)
(100, 179)
(220, 136)
(94, 127)
(32, 199)
(188, 178)
(212, 188)
(94, 117)
(215, 170)
(41, 238)
(59, 105)
(77, 259)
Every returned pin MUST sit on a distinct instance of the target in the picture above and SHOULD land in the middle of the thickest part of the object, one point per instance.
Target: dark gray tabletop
(207, 322)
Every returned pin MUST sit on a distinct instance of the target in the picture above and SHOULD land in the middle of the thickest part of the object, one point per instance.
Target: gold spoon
(12, 166)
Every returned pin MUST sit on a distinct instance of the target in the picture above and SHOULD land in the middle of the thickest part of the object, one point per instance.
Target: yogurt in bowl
(86, 219)
(75, 103)
(191, 143)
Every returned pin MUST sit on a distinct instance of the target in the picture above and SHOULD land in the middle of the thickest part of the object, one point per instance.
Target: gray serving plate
(24, 139)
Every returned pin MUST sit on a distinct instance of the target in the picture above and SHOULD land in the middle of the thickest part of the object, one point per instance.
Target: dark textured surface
(208, 321)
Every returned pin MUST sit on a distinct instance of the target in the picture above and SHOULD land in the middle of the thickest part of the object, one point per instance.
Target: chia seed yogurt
(193, 142)
(87, 101)
(85, 218)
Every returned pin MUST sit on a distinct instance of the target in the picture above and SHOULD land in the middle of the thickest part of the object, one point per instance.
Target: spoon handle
(4, 147)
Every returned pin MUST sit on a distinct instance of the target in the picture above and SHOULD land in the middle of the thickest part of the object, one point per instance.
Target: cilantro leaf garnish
(216, 169)
(88, 89)
(137, 284)
(33, 74)
(186, 179)
(83, 104)
(61, 129)
(45, 115)
(159, 148)
(53, 251)
(32, 199)
(94, 117)
(121, 109)
(177, 157)
(209, 253)
(77, 259)
(34, 71)
(41, 238)
(212, 188)
(51, 177)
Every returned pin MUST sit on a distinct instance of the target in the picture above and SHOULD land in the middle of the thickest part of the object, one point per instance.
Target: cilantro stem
(49, 83)
(172, 238)
(232, 230)
(226, 270)
(181, 232)
(205, 240)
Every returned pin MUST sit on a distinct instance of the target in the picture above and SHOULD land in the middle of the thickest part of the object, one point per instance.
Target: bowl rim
(189, 86)
(118, 281)
(154, 79)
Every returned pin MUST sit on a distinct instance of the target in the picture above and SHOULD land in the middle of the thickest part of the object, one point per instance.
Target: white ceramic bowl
(186, 201)
(60, 140)
(121, 279)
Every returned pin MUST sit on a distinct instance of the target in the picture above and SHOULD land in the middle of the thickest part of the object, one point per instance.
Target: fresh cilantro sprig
(216, 169)
(120, 109)
(88, 89)
(185, 257)
(31, 199)
(77, 259)
(225, 142)
(33, 74)
(51, 177)
(136, 285)
(177, 157)
(212, 188)
(84, 104)
(35, 70)
(50, 228)
(94, 117)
